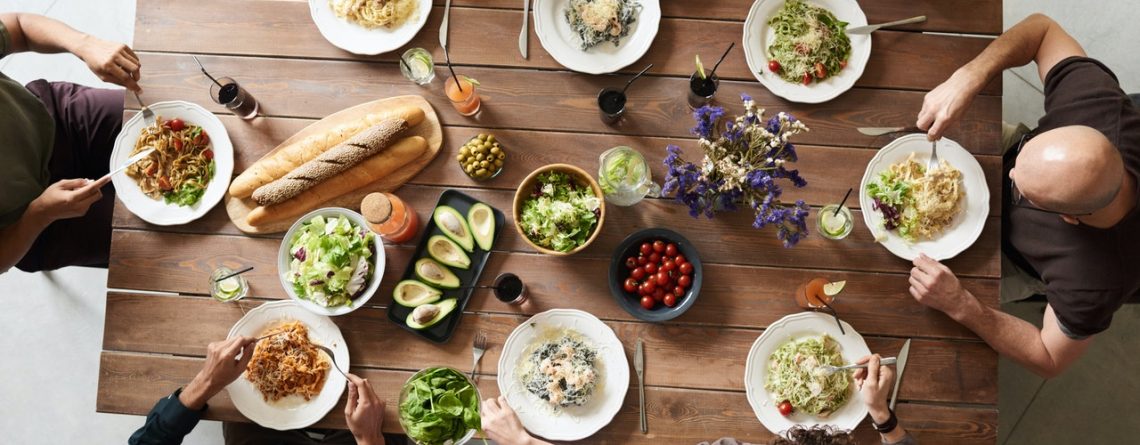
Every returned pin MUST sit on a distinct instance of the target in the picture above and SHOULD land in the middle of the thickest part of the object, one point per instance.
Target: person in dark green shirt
(54, 135)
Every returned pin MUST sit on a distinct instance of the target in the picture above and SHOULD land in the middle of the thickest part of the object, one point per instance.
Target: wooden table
(154, 343)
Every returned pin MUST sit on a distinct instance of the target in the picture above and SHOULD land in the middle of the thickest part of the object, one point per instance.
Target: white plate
(965, 228)
(758, 35)
(291, 412)
(283, 259)
(574, 423)
(562, 43)
(354, 38)
(795, 326)
(157, 211)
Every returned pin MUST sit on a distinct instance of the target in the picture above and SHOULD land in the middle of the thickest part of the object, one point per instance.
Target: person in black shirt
(1069, 209)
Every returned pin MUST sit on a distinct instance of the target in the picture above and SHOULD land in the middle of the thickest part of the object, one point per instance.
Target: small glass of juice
(229, 289)
(835, 222)
(417, 66)
(390, 217)
(463, 95)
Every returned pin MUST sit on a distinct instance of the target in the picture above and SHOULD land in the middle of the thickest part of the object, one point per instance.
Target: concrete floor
(57, 320)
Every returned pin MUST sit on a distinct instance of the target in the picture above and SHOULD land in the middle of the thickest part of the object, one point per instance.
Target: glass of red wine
(226, 92)
(611, 104)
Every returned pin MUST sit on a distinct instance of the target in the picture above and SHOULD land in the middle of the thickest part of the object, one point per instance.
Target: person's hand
(501, 424)
(946, 103)
(68, 198)
(111, 61)
(934, 285)
(222, 367)
(875, 384)
(364, 412)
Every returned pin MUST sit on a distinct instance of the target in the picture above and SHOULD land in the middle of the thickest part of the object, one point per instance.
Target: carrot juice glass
(461, 91)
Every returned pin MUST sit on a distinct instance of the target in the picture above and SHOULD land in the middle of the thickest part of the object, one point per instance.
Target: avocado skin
(484, 241)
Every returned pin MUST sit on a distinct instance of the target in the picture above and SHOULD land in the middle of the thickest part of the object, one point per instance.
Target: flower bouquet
(743, 159)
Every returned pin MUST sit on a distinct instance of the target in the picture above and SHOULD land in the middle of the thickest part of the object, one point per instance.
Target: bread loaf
(331, 162)
(370, 170)
(291, 156)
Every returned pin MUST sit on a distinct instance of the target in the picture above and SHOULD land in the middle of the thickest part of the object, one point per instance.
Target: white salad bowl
(284, 256)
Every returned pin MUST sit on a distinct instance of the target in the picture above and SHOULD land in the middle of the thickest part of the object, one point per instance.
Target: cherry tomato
(843, 64)
(670, 300)
(658, 246)
(202, 138)
(164, 183)
(642, 260)
(648, 303)
(646, 248)
(685, 281)
(630, 285)
(680, 259)
(649, 286)
(638, 273)
(631, 263)
(774, 66)
(659, 294)
(671, 250)
(208, 154)
(178, 145)
(807, 79)
(150, 171)
(686, 268)
(662, 278)
(176, 124)
(785, 407)
(820, 71)
(655, 258)
(668, 265)
(679, 291)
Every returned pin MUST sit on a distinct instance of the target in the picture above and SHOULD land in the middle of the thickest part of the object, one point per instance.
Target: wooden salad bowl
(523, 192)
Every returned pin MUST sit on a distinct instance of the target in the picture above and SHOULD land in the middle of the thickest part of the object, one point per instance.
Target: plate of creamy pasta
(565, 373)
(289, 383)
(188, 172)
(369, 27)
(596, 36)
(911, 209)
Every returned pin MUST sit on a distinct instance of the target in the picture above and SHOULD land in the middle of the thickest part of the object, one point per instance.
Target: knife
(872, 28)
(443, 26)
(142, 154)
(900, 365)
(526, 24)
(639, 367)
(879, 131)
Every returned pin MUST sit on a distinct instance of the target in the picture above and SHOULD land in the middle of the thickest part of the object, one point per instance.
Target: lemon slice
(700, 68)
(229, 285)
(834, 288)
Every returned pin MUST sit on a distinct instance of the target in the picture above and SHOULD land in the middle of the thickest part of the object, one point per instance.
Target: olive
(502, 156)
(481, 137)
(481, 172)
(460, 158)
(495, 150)
(498, 163)
(479, 157)
(490, 138)
(469, 168)
(484, 164)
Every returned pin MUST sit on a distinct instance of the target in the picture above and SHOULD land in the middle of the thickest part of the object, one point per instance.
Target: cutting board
(238, 208)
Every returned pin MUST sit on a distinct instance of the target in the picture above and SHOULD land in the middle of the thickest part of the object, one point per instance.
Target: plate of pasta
(565, 373)
(369, 27)
(289, 383)
(188, 172)
(596, 36)
(783, 366)
(911, 210)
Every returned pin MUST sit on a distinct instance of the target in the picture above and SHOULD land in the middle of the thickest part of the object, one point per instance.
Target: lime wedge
(834, 288)
(832, 224)
(473, 81)
(229, 285)
(700, 68)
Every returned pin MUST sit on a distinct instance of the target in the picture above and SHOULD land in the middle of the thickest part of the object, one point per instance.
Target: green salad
(560, 213)
(331, 261)
(793, 376)
(810, 44)
(439, 405)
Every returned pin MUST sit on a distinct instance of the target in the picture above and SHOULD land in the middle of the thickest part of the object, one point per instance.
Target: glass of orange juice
(815, 293)
(461, 91)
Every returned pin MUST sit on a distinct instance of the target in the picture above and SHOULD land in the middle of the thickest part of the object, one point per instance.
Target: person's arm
(174, 416)
(364, 412)
(1037, 38)
(502, 424)
(110, 61)
(875, 384)
(69, 198)
(1047, 352)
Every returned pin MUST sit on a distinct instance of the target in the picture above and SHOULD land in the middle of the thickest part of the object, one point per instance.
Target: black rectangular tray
(442, 331)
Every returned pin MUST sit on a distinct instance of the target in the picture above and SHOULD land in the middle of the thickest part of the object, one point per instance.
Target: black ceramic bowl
(631, 302)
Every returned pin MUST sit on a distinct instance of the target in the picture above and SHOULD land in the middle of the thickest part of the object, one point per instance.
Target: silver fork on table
(829, 369)
(148, 116)
(478, 347)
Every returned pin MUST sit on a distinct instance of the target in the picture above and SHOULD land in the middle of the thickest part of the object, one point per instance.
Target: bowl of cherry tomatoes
(655, 275)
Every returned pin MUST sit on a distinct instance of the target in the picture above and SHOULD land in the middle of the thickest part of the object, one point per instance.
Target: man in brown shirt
(1070, 203)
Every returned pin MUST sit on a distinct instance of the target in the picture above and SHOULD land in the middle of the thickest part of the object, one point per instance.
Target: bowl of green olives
(482, 157)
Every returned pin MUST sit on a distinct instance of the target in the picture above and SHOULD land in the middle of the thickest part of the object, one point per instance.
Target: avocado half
(446, 251)
(412, 293)
(481, 220)
(436, 312)
(454, 225)
(431, 272)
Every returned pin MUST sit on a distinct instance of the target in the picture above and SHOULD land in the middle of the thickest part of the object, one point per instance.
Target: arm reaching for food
(502, 425)
(364, 412)
(68, 198)
(875, 383)
(1047, 351)
(1035, 39)
(111, 61)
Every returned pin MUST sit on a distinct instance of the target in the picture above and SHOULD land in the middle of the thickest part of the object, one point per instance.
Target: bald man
(1069, 217)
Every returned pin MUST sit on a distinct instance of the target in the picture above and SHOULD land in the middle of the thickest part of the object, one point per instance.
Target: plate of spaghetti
(369, 27)
(188, 172)
(289, 383)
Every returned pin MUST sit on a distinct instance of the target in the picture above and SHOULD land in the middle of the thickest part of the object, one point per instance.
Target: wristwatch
(887, 427)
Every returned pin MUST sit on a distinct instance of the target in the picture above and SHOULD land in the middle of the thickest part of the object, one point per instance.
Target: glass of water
(417, 66)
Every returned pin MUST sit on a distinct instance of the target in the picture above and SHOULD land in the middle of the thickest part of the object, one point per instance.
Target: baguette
(291, 156)
(371, 170)
(330, 163)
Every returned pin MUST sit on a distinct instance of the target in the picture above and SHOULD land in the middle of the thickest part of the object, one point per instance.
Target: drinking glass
(417, 66)
(466, 99)
(835, 225)
(625, 176)
(701, 91)
(228, 93)
(611, 104)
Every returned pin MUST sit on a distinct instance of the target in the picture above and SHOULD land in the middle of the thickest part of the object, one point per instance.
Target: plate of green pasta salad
(783, 377)
(800, 49)
(596, 36)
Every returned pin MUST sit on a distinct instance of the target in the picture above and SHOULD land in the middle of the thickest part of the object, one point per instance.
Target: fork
(478, 347)
(933, 164)
(829, 369)
(331, 357)
(148, 115)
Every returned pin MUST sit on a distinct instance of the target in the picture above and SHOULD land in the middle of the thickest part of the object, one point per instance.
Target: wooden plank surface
(131, 384)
